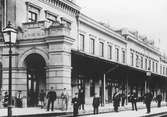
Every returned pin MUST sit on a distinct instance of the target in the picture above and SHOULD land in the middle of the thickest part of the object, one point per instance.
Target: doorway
(36, 78)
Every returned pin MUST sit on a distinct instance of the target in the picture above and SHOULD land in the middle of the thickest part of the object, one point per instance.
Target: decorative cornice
(33, 5)
(64, 4)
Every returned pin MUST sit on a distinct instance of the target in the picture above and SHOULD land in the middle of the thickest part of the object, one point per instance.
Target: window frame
(82, 45)
(123, 56)
(109, 51)
(117, 54)
(101, 49)
(92, 45)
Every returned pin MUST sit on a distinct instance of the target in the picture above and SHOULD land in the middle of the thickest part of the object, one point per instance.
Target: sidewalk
(130, 113)
(88, 110)
(109, 108)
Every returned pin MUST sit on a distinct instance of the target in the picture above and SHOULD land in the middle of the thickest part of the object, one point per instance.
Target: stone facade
(48, 34)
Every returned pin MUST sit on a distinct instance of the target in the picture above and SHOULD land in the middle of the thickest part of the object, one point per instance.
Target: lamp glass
(7, 32)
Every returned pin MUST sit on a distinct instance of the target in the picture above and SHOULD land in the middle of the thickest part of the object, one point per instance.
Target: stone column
(59, 69)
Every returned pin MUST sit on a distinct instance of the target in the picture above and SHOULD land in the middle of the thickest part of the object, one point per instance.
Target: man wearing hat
(96, 103)
(75, 102)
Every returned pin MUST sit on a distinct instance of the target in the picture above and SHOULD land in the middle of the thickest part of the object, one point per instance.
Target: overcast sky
(149, 17)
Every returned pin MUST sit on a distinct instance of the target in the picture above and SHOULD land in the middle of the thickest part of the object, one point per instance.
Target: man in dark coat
(147, 100)
(51, 96)
(75, 102)
(159, 99)
(116, 100)
(96, 103)
(134, 100)
(81, 97)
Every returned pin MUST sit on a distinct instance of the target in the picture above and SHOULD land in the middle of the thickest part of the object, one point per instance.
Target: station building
(59, 46)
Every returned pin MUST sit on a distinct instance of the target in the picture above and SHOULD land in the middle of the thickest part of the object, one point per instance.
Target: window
(156, 68)
(132, 60)
(141, 62)
(145, 63)
(32, 17)
(137, 60)
(166, 71)
(153, 66)
(123, 56)
(109, 51)
(163, 70)
(92, 46)
(82, 42)
(117, 54)
(101, 49)
(33, 12)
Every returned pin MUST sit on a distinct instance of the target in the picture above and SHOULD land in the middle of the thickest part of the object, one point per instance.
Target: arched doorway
(36, 77)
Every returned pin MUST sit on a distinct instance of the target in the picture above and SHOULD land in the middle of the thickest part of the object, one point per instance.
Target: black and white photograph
(90, 58)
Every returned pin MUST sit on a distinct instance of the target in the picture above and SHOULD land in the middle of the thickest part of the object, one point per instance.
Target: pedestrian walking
(159, 99)
(19, 97)
(51, 96)
(134, 100)
(42, 96)
(147, 100)
(116, 100)
(65, 98)
(75, 103)
(96, 103)
(81, 97)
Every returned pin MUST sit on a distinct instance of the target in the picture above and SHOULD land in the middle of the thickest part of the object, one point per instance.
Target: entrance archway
(36, 77)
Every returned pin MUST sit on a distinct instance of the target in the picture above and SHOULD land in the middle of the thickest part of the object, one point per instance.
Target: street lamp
(9, 36)
(148, 74)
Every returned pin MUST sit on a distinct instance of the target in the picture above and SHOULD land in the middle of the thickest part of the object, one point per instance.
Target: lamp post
(9, 36)
(148, 74)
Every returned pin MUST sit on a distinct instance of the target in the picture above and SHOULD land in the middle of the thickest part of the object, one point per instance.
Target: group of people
(17, 100)
(79, 100)
(133, 98)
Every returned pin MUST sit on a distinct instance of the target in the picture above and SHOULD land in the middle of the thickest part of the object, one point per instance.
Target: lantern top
(9, 28)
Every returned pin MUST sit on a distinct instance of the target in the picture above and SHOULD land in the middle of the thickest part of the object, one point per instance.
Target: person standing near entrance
(19, 97)
(134, 100)
(42, 98)
(123, 97)
(75, 103)
(96, 103)
(81, 97)
(159, 99)
(65, 98)
(51, 96)
(147, 100)
(116, 99)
